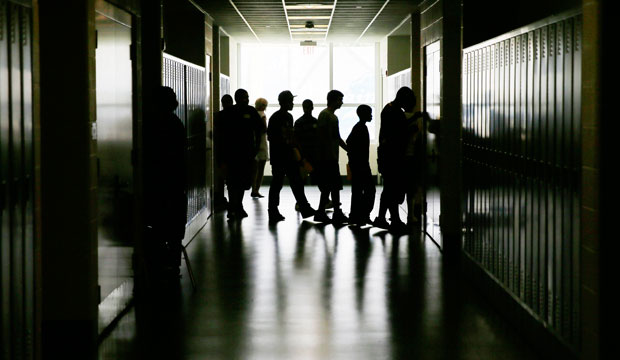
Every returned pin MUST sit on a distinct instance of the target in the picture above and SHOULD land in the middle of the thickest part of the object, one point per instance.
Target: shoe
(242, 213)
(321, 216)
(256, 195)
(380, 223)
(398, 227)
(275, 216)
(339, 218)
(307, 211)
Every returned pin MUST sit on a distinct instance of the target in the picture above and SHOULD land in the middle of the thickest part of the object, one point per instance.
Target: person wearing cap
(328, 171)
(240, 146)
(285, 159)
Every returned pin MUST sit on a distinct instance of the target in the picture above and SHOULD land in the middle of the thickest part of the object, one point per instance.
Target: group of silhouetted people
(308, 146)
(311, 146)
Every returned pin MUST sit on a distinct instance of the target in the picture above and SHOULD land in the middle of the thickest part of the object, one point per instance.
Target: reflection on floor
(300, 290)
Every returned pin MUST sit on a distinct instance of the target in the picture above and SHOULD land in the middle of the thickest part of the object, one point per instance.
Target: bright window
(266, 70)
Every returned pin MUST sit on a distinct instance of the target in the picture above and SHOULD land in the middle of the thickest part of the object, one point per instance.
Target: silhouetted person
(285, 159)
(166, 179)
(240, 144)
(362, 185)
(413, 163)
(306, 133)
(221, 117)
(391, 158)
(307, 137)
(327, 168)
(261, 158)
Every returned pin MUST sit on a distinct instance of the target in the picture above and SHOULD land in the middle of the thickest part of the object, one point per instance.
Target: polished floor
(301, 290)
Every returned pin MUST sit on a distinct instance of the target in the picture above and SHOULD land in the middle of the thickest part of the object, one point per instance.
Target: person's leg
(275, 187)
(260, 172)
(356, 194)
(368, 193)
(384, 202)
(296, 183)
(297, 186)
(253, 173)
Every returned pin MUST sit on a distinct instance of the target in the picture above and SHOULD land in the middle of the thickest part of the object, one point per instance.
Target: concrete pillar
(450, 137)
(68, 180)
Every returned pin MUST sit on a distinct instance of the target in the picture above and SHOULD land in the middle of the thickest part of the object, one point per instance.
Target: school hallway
(305, 290)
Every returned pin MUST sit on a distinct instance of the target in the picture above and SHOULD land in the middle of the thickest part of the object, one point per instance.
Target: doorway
(114, 135)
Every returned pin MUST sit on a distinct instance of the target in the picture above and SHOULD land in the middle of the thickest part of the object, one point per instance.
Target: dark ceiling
(348, 21)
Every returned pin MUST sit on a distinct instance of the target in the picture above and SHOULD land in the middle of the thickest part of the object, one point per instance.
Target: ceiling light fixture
(309, 17)
(297, 26)
(306, 33)
(309, 7)
(311, 30)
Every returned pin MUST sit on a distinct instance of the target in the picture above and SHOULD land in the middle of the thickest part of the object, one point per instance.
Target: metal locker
(16, 163)
(576, 167)
(5, 200)
(27, 180)
(522, 152)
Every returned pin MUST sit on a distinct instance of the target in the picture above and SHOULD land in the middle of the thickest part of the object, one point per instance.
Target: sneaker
(307, 211)
(397, 226)
(321, 216)
(339, 218)
(380, 223)
(275, 216)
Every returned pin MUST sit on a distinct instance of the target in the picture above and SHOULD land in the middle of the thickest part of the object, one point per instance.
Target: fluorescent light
(310, 17)
(306, 33)
(309, 7)
(308, 30)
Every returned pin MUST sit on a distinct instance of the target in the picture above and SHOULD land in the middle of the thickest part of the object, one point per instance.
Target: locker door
(16, 165)
(114, 147)
(28, 180)
(209, 144)
(5, 249)
(432, 87)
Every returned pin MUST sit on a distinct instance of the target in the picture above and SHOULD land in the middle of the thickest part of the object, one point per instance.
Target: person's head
(227, 101)
(241, 97)
(364, 112)
(285, 99)
(405, 98)
(261, 104)
(334, 99)
(308, 106)
(166, 99)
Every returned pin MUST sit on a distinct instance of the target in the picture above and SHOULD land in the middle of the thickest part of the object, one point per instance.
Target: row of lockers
(522, 150)
(16, 183)
(190, 83)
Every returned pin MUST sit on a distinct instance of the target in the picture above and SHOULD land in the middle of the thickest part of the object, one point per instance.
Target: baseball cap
(285, 95)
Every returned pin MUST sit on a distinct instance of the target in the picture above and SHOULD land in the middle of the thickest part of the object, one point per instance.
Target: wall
(398, 53)
(183, 27)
